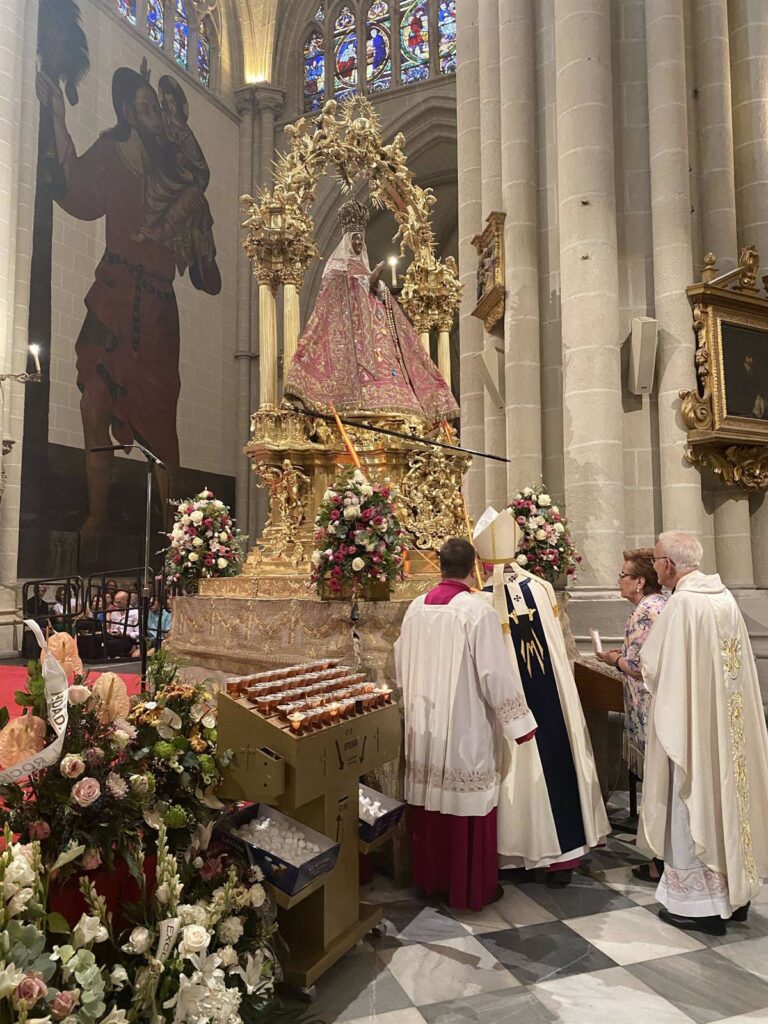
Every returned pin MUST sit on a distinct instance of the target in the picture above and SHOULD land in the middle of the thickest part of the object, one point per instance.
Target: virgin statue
(358, 350)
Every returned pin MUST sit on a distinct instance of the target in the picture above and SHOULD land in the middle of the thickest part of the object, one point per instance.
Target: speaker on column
(642, 356)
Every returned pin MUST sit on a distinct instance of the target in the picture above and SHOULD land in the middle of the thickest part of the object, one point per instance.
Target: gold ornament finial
(353, 216)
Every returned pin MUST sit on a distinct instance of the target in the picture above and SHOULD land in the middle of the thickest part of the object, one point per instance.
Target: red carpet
(14, 677)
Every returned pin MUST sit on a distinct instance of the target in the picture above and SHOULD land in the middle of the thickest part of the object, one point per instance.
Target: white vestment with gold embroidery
(705, 786)
(461, 696)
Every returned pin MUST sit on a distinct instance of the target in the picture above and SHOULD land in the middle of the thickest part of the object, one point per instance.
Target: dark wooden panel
(597, 690)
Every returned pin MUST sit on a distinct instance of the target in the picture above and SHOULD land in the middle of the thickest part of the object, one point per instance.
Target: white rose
(351, 511)
(118, 976)
(366, 490)
(193, 556)
(194, 939)
(19, 874)
(185, 520)
(222, 563)
(227, 955)
(544, 500)
(78, 694)
(190, 913)
(139, 940)
(196, 517)
(121, 739)
(88, 929)
(559, 528)
(197, 542)
(258, 895)
(541, 535)
(316, 558)
(231, 931)
(358, 477)
(358, 564)
(527, 492)
(331, 528)
(522, 560)
(223, 535)
(329, 495)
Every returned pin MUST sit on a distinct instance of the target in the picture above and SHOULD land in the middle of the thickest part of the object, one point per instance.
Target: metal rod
(397, 433)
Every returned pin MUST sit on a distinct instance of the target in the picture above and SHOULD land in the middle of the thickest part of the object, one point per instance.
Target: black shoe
(643, 871)
(559, 879)
(708, 925)
(740, 915)
(517, 875)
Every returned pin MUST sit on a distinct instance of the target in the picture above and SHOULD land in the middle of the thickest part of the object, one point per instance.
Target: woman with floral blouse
(640, 585)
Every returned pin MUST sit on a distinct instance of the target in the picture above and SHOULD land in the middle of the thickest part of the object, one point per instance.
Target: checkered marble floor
(593, 951)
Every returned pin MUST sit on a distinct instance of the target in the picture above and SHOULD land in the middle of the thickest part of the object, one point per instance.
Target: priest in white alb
(461, 698)
(705, 785)
(551, 811)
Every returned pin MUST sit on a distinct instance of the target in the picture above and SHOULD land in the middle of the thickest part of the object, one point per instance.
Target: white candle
(35, 350)
(393, 265)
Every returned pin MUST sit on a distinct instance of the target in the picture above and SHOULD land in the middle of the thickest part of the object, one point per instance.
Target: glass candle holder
(296, 718)
(334, 709)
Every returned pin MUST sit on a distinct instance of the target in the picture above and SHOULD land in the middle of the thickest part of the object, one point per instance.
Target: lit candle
(387, 694)
(334, 708)
(35, 350)
(393, 265)
(296, 720)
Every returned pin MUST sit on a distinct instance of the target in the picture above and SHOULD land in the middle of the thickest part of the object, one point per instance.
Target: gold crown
(353, 216)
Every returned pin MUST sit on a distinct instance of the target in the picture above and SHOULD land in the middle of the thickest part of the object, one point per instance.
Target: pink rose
(90, 860)
(39, 830)
(86, 792)
(72, 766)
(29, 990)
(64, 1003)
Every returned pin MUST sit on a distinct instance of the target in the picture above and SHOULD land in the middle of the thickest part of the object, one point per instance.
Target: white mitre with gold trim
(496, 537)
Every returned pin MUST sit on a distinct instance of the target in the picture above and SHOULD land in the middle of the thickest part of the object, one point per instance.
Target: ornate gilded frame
(735, 447)
(490, 246)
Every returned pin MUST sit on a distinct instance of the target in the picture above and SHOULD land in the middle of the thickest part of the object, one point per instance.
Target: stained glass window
(414, 41)
(181, 35)
(314, 72)
(128, 9)
(320, 13)
(378, 57)
(203, 54)
(446, 31)
(345, 54)
(155, 22)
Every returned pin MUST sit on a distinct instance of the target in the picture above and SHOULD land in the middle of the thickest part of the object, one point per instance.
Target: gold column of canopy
(431, 295)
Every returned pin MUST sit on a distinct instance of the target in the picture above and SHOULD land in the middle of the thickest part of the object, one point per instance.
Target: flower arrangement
(546, 548)
(358, 536)
(204, 541)
(178, 933)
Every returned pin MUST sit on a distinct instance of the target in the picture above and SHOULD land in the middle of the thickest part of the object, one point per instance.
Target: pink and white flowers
(204, 541)
(546, 548)
(358, 536)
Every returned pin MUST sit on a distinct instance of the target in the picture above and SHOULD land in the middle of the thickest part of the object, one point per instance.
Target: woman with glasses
(639, 584)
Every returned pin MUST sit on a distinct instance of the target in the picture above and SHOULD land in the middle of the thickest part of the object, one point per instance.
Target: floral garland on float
(115, 905)
(359, 539)
(204, 542)
(546, 548)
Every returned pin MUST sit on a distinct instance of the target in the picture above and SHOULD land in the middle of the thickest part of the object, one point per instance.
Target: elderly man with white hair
(705, 790)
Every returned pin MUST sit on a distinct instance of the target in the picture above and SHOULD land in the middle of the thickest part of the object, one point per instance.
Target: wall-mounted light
(27, 378)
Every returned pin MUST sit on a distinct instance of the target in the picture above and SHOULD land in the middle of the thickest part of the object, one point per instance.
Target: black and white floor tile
(595, 950)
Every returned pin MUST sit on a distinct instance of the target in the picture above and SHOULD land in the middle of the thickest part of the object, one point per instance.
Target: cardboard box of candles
(377, 813)
(290, 854)
(307, 697)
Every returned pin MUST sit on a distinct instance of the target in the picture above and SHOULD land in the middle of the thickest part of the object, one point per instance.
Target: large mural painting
(146, 175)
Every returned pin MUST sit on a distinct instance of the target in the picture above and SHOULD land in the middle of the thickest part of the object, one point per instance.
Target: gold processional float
(268, 618)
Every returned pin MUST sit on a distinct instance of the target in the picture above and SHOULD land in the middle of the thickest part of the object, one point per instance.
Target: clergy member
(461, 697)
(705, 787)
(551, 811)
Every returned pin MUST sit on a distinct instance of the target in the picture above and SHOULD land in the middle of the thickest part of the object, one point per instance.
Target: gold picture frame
(727, 416)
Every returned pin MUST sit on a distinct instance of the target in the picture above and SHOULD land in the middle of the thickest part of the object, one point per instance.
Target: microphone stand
(151, 461)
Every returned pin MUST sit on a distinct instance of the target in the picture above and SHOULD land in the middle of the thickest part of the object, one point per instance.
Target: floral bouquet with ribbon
(204, 541)
(358, 536)
(546, 548)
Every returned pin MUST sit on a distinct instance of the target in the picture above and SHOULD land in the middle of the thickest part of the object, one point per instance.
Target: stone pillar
(522, 369)
(18, 158)
(681, 501)
(245, 108)
(748, 22)
(733, 544)
(270, 101)
(470, 222)
(594, 474)
(490, 162)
